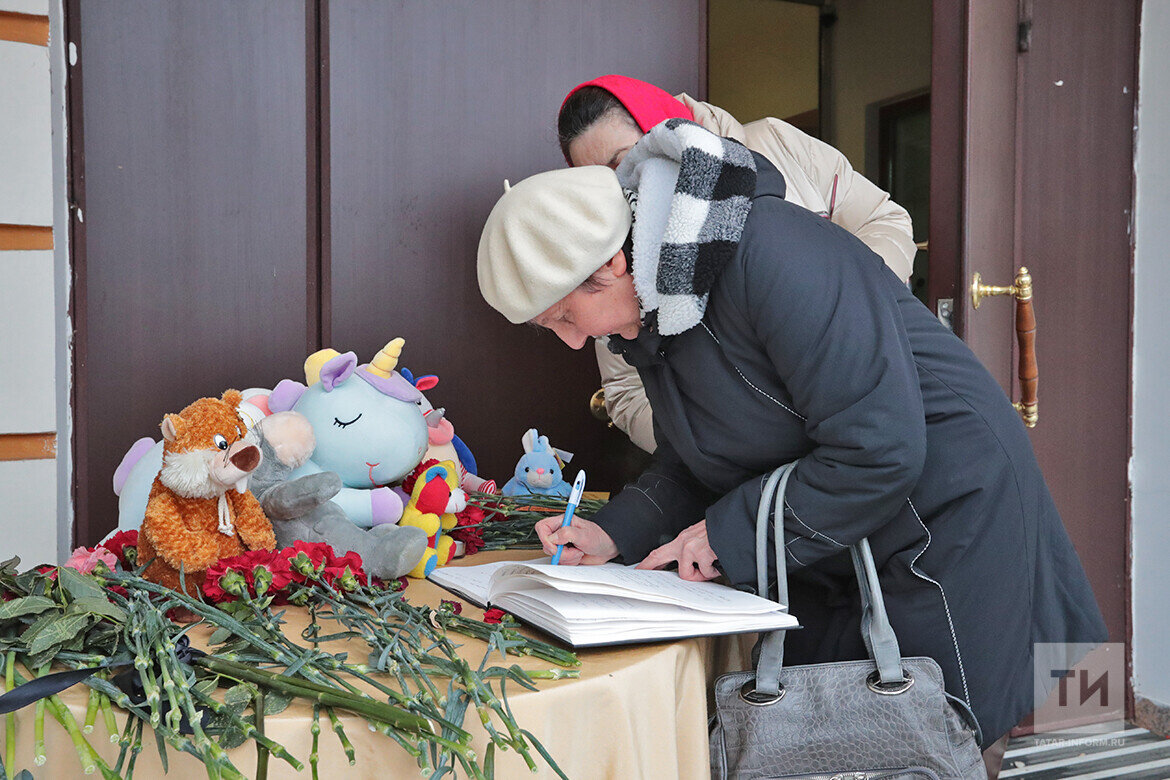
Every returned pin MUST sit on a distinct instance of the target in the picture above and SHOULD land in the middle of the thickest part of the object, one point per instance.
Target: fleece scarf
(693, 193)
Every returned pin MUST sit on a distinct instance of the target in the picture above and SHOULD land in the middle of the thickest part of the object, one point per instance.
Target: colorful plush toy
(368, 424)
(442, 441)
(433, 504)
(300, 509)
(538, 471)
(199, 509)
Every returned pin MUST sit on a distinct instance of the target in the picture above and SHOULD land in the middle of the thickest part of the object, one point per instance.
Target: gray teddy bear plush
(300, 508)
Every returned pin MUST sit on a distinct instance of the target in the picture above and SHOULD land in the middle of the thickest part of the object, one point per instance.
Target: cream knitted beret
(548, 234)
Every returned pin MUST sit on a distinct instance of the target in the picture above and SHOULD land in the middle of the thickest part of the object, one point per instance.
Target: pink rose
(85, 560)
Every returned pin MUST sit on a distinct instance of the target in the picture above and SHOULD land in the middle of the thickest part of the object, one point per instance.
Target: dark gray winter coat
(812, 349)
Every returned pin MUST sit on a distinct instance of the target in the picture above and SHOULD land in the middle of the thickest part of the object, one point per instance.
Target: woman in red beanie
(602, 119)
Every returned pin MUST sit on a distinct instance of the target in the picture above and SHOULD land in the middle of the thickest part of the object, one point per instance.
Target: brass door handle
(597, 406)
(1029, 374)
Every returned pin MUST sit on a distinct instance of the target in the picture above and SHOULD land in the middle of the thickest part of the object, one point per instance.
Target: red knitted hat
(647, 103)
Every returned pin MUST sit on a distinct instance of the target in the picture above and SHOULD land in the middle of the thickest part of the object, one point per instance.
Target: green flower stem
(261, 750)
(108, 715)
(365, 706)
(174, 716)
(85, 754)
(125, 741)
(146, 675)
(39, 757)
(135, 749)
(554, 674)
(250, 731)
(315, 730)
(181, 698)
(10, 719)
(346, 745)
(91, 709)
(518, 644)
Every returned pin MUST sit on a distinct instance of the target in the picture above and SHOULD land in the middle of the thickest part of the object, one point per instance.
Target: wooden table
(637, 711)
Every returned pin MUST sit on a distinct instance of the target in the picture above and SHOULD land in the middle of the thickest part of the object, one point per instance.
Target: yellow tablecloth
(637, 711)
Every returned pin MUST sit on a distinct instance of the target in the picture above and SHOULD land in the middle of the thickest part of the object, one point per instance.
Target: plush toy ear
(314, 362)
(529, 440)
(172, 426)
(406, 374)
(337, 370)
(232, 398)
(435, 471)
(425, 383)
(285, 395)
(542, 444)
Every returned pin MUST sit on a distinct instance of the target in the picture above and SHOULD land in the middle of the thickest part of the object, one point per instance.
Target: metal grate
(1132, 754)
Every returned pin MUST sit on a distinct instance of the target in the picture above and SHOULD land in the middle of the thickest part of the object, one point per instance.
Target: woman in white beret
(765, 334)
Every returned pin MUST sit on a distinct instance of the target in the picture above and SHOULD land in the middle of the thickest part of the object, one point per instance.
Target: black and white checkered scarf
(692, 193)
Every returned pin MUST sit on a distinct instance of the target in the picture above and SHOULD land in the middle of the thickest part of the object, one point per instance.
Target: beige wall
(30, 518)
(879, 50)
(762, 57)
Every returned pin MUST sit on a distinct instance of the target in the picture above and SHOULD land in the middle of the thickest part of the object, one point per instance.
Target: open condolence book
(611, 604)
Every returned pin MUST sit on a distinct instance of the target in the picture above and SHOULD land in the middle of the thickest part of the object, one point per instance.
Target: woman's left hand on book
(692, 550)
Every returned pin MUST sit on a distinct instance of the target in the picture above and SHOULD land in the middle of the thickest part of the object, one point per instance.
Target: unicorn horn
(387, 358)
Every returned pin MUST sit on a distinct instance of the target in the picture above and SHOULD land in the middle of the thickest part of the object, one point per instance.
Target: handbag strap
(880, 641)
(771, 660)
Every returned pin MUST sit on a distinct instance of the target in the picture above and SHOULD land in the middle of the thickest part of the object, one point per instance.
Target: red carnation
(469, 529)
(124, 545)
(318, 552)
(246, 564)
(493, 615)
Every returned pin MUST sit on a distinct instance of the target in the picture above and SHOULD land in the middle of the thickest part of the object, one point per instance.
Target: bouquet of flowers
(97, 618)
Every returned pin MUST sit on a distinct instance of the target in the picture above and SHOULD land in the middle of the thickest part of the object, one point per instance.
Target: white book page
(590, 619)
(593, 608)
(644, 585)
(471, 581)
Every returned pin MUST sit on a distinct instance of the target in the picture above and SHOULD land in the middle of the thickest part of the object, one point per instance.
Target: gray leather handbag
(886, 717)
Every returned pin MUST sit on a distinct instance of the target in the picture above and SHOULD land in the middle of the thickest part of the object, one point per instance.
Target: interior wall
(763, 57)
(29, 303)
(879, 51)
(1149, 478)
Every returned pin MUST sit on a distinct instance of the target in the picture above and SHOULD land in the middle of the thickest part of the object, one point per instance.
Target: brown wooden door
(259, 180)
(188, 134)
(432, 106)
(1034, 107)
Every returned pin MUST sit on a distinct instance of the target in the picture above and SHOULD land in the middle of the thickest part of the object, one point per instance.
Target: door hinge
(946, 309)
(1024, 26)
(1024, 35)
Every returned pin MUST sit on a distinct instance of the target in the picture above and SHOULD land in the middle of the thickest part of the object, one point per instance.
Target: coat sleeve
(857, 204)
(651, 511)
(625, 398)
(825, 314)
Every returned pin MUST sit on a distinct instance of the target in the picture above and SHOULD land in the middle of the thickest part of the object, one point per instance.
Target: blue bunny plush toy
(538, 472)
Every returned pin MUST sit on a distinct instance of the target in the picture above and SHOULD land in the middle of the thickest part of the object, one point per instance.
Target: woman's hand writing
(586, 542)
(692, 550)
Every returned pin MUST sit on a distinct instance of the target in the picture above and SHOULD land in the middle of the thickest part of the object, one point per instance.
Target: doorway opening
(851, 73)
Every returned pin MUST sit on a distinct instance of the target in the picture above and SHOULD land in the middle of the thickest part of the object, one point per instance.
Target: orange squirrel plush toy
(199, 509)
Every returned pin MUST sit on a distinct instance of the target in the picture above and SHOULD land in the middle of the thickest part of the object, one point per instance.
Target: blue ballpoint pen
(574, 500)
